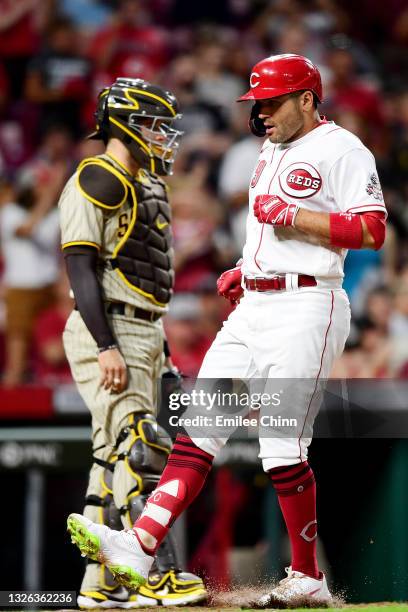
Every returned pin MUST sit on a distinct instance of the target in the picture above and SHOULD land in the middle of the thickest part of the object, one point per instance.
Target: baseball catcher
(117, 244)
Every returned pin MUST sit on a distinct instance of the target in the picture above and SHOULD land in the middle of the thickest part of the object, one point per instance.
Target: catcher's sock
(183, 477)
(296, 489)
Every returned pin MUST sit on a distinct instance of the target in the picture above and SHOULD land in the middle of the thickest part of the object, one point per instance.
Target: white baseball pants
(281, 335)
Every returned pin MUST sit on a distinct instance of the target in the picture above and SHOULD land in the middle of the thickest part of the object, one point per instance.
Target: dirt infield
(385, 606)
(244, 598)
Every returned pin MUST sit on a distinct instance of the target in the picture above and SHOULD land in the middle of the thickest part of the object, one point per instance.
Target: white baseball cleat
(119, 550)
(297, 588)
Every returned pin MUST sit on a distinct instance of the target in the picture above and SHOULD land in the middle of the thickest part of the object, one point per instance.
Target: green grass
(375, 607)
(370, 607)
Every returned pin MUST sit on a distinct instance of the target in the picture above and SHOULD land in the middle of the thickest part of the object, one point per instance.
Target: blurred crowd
(56, 55)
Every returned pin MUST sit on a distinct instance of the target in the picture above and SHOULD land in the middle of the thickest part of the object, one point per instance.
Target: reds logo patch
(300, 180)
(258, 171)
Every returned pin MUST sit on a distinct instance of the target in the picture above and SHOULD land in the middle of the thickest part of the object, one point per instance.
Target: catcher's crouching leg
(142, 450)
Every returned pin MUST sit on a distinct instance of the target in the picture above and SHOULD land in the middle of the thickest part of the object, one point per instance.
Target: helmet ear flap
(101, 116)
(256, 125)
(103, 111)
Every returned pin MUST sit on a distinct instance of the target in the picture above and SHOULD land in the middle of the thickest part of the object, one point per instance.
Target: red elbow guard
(375, 222)
(346, 230)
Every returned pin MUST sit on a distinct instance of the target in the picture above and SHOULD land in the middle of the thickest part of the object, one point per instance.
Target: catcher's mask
(278, 75)
(142, 116)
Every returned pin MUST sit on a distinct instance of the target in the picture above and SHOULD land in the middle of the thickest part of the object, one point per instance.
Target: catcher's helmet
(278, 75)
(140, 115)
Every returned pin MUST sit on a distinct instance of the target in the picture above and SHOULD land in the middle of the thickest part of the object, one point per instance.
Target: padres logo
(300, 180)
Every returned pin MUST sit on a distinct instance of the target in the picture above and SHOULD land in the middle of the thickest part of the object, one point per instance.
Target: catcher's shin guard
(99, 589)
(143, 448)
(103, 504)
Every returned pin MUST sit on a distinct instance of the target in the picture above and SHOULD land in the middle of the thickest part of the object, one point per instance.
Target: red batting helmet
(278, 75)
(281, 74)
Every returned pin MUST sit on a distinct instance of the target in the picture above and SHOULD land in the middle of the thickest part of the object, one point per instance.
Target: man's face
(282, 117)
(163, 139)
(153, 133)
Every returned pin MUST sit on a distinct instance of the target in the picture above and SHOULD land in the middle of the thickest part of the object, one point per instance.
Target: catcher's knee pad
(142, 451)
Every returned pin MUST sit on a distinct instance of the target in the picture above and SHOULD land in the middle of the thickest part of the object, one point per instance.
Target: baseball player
(116, 239)
(314, 194)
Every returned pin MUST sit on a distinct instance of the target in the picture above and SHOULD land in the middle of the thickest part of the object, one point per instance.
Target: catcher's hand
(113, 370)
(275, 211)
(229, 285)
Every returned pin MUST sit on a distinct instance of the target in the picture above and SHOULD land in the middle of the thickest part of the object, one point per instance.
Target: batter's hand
(113, 370)
(229, 285)
(275, 211)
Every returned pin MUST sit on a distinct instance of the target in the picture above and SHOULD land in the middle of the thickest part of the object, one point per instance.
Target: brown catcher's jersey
(128, 220)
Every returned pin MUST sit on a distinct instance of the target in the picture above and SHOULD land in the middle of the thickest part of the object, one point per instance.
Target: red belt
(277, 283)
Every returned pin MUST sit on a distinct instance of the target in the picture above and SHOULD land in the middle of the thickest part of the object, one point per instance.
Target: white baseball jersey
(327, 170)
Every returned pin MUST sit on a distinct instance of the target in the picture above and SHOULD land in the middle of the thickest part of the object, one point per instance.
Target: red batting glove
(229, 285)
(275, 211)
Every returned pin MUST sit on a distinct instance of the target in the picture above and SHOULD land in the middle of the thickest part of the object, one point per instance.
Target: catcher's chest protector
(144, 256)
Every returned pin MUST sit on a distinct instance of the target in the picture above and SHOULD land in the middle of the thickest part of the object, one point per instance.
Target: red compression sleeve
(375, 222)
(346, 230)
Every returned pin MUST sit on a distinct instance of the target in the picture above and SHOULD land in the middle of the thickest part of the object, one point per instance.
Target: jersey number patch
(258, 171)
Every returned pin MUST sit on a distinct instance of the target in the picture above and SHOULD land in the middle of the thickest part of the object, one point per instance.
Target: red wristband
(346, 230)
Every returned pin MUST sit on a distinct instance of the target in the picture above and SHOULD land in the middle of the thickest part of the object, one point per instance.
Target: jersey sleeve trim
(116, 192)
(366, 208)
(80, 243)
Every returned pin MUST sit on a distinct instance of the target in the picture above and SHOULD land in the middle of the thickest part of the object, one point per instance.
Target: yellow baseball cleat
(174, 588)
